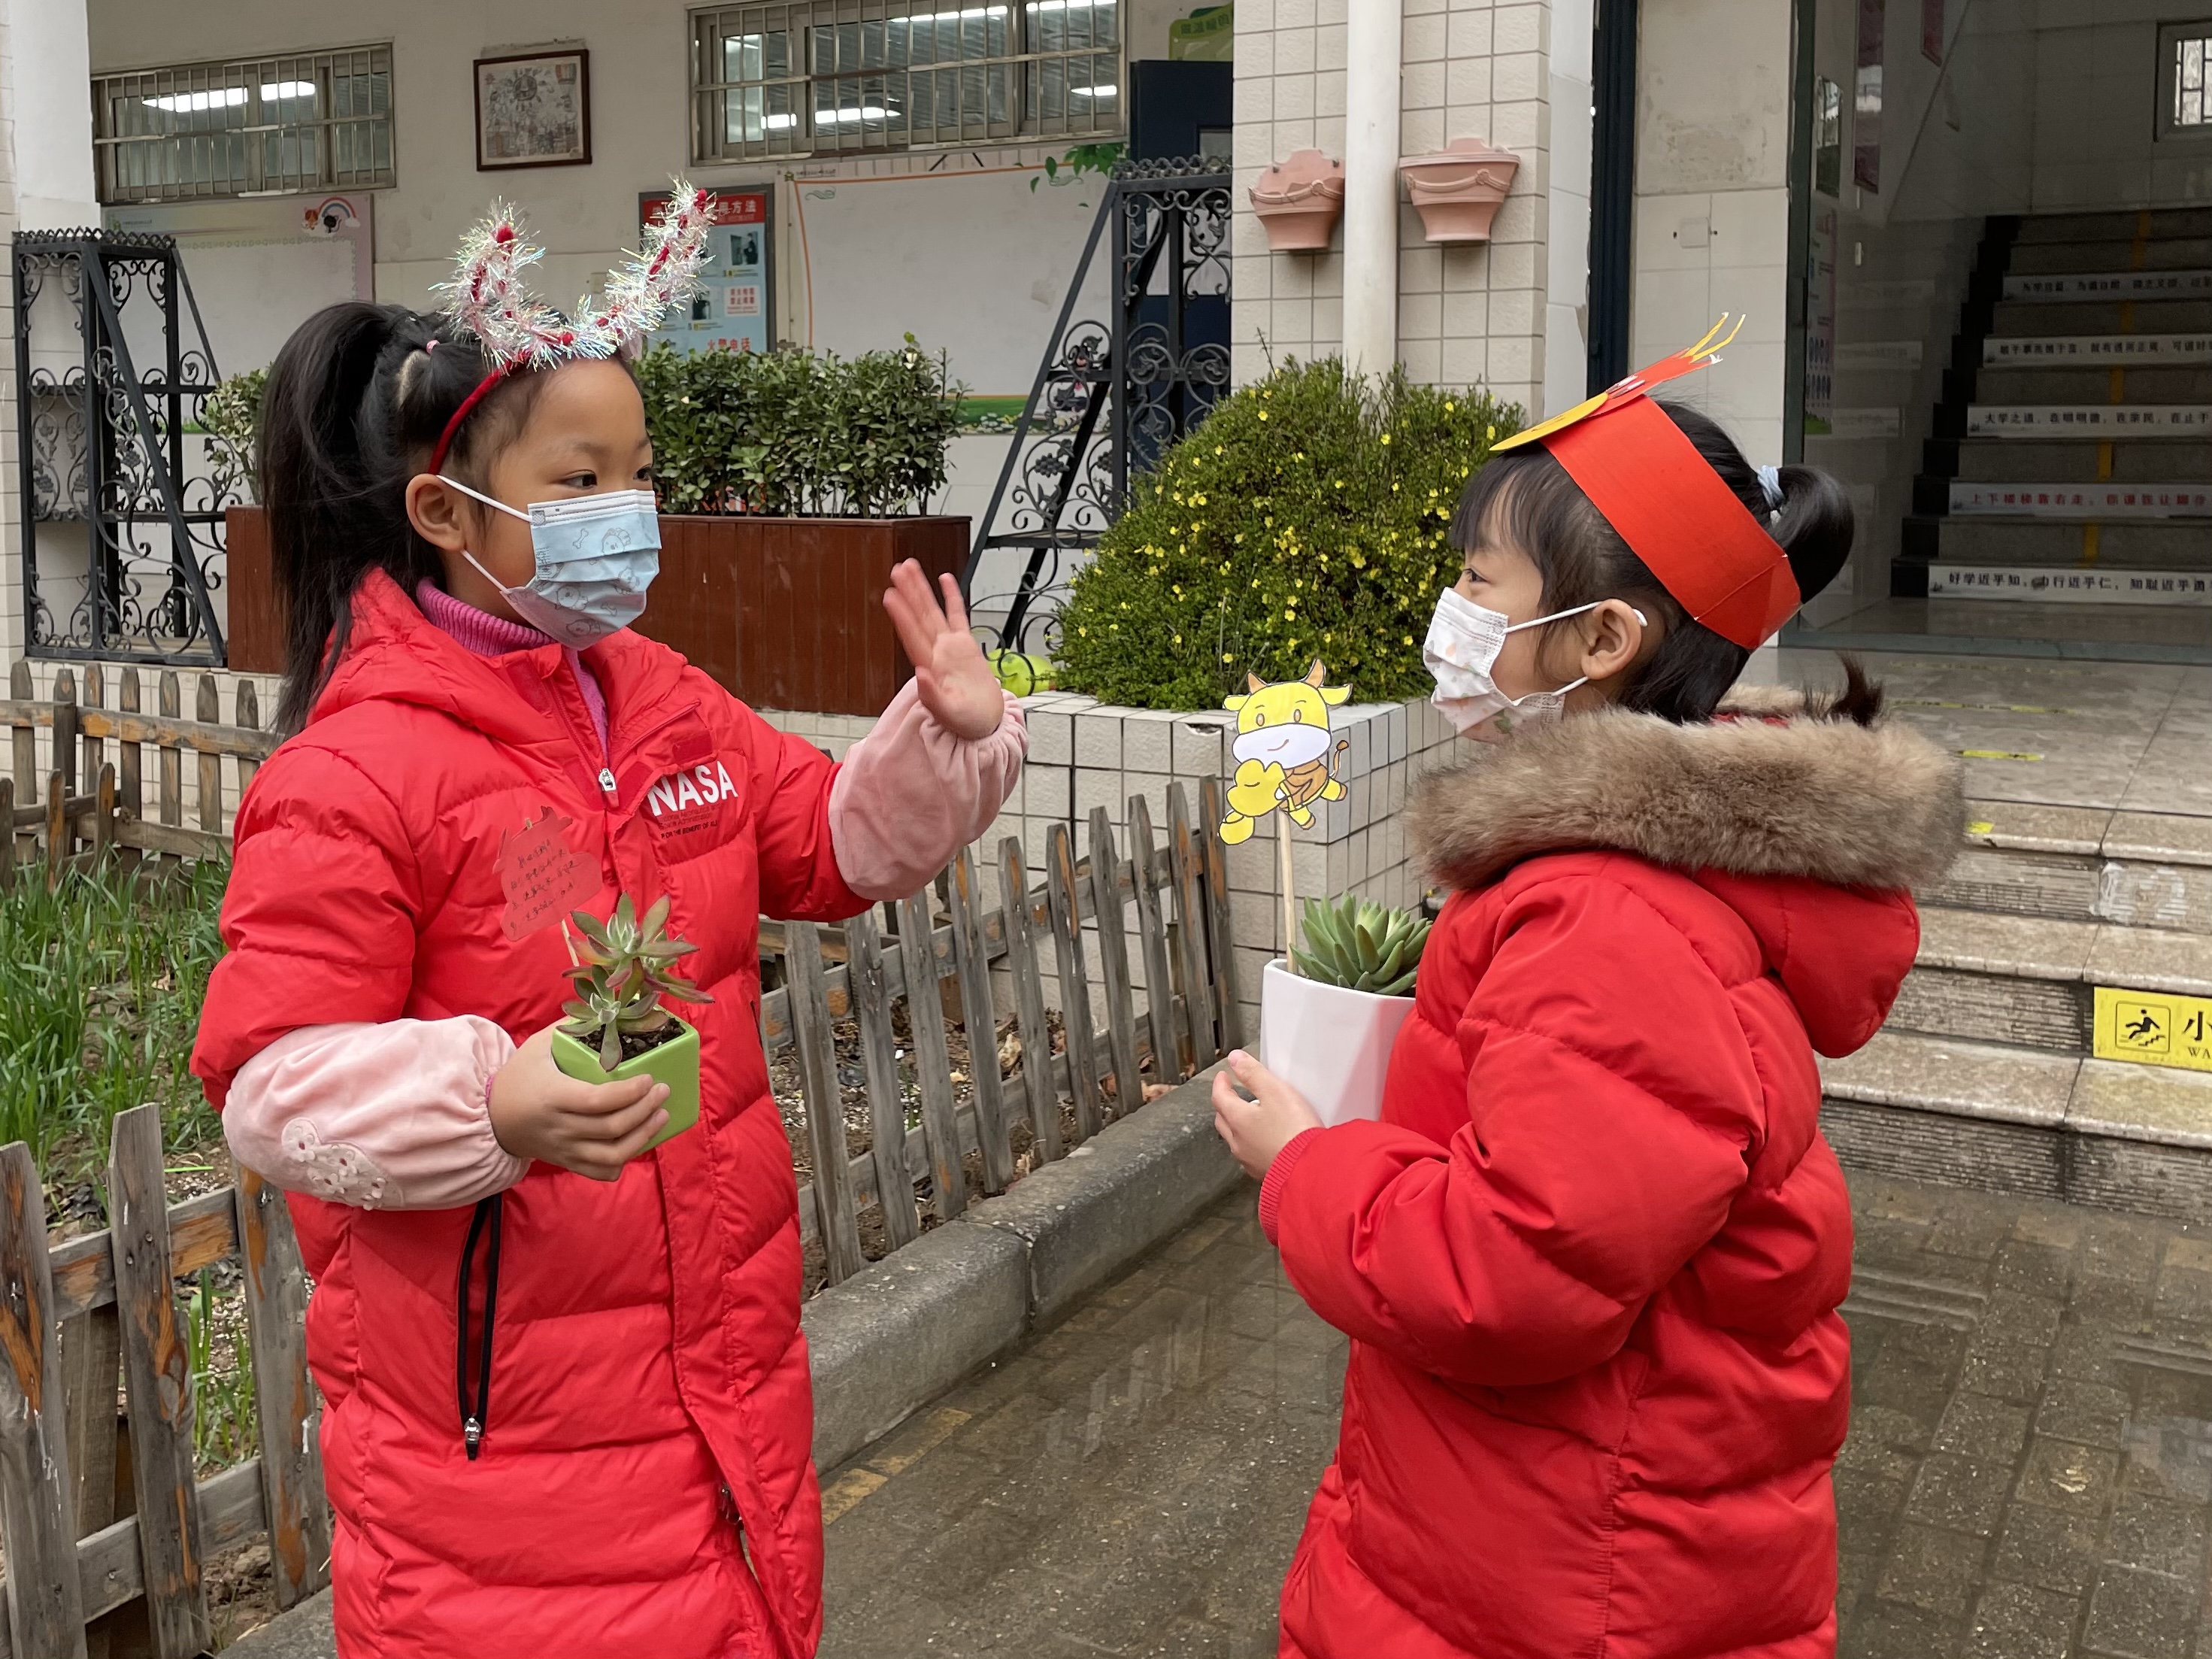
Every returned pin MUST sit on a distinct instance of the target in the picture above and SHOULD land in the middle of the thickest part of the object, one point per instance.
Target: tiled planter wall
(1084, 753)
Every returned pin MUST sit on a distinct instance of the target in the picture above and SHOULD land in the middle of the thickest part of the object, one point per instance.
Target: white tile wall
(1472, 69)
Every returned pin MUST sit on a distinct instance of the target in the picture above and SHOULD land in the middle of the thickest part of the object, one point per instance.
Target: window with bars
(2185, 70)
(314, 121)
(835, 75)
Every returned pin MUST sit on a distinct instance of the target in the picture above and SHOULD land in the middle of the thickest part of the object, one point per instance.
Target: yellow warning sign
(2154, 1028)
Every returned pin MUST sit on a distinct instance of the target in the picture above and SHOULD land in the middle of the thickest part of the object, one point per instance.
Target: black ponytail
(356, 400)
(1526, 499)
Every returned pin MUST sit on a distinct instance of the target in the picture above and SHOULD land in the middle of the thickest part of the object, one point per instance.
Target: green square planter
(675, 1063)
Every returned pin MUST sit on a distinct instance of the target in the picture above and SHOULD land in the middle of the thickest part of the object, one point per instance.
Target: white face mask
(1461, 649)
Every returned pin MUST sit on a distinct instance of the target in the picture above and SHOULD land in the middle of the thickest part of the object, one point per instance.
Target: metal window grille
(834, 76)
(2193, 95)
(316, 121)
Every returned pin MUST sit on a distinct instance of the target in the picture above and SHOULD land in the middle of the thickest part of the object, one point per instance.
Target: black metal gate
(123, 495)
(1110, 397)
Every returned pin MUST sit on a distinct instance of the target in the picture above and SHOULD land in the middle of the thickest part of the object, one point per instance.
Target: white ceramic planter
(1330, 1044)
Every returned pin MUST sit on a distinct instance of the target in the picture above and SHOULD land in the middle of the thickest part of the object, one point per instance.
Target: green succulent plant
(621, 973)
(1361, 946)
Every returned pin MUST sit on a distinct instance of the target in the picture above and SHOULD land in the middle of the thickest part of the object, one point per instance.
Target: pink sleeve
(389, 1116)
(910, 794)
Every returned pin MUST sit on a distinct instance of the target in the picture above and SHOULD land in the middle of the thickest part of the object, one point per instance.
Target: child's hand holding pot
(1258, 1128)
(538, 1111)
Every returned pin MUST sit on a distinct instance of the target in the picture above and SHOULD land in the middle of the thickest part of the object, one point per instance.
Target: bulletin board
(737, 309)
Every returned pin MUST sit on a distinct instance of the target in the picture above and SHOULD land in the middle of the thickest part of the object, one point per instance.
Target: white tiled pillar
(1471, 69)
(1712, 203)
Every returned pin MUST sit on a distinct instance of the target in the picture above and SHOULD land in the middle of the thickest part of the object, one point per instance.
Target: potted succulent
(616, 1027)
(1328, 1019)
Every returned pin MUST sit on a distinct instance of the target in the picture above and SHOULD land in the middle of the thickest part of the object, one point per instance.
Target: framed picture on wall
(534, 110)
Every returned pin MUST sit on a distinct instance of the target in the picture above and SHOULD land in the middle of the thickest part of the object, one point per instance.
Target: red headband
(454, 426)
(1675, 513)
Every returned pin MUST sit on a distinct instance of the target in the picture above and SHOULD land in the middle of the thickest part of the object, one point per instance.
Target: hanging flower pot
(1300, 201)
(1457, 189)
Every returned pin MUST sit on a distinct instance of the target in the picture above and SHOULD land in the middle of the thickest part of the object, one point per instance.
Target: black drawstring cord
(474, 1418)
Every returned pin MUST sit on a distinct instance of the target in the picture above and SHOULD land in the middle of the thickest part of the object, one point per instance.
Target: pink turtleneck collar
(488, 635)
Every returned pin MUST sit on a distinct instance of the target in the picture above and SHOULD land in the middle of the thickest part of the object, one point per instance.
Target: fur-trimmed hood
(1774, 791)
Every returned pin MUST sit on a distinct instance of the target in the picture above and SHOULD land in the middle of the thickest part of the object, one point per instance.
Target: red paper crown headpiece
(1675, 513)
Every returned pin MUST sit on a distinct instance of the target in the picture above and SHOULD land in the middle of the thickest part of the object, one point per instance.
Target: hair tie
(431, 347)
(1770, 484)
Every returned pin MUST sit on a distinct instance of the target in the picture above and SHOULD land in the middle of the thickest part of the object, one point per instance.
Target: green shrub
(1308, 516)
(790, 431)
(231, 416)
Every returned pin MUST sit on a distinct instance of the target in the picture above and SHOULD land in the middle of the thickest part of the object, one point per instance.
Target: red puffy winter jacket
(644, 1485)
(1591, 1257)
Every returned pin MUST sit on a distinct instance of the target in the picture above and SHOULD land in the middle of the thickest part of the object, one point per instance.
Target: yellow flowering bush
(1307, 517)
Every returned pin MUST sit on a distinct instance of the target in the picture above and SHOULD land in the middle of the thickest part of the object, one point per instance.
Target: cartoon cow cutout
(1282, 751)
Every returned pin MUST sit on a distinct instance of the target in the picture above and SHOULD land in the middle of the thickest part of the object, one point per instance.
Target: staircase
(2071, 459)
(1986, 1074)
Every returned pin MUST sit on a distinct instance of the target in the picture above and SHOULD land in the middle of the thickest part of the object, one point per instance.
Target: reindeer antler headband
(518, 332)
(1674, 512)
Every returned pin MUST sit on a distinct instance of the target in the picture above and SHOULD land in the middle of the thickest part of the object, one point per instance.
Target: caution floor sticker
(2152, 1028)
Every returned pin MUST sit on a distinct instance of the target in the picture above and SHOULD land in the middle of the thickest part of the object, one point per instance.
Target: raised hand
(956, 685)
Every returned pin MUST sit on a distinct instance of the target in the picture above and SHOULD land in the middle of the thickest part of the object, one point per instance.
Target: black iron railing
(123, 495)
(1114, 390)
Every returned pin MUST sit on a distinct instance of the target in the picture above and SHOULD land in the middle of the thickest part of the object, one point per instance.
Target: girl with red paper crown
(1591, 1257)
(462, 516)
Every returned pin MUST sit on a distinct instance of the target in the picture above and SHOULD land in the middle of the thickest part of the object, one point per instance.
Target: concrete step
(2017, 318)
(2063, 460)
(2122, 225)
(2079, 863)
(2122, 543)
(2128, 419)
(2096, 383)
(2106, 348)
(2061, 287)
(2110, 501)
(2028, 980)
(2166, 253)
(2013, 1120)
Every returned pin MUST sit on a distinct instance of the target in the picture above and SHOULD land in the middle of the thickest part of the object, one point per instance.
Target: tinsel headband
(1665, 502)
(518, 332)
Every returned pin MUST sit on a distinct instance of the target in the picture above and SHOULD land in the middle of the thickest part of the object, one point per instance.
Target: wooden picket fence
(88, 804)
(1191, 1015)
(83, 1544)
(76, 1315)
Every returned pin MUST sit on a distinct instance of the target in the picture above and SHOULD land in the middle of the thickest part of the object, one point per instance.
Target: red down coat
(1590, 1258)
(644, 1487)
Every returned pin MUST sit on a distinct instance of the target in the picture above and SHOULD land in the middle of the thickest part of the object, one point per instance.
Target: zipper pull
(607, 781)
(471, 1435)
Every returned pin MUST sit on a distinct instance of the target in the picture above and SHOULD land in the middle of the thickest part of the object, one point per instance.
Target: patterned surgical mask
(596, 557)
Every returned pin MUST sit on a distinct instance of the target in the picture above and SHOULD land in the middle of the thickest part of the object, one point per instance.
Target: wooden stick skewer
(1290, 899)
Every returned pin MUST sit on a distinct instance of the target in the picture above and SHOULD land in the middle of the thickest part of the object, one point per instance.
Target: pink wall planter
(1300, 201)
(1458, 189)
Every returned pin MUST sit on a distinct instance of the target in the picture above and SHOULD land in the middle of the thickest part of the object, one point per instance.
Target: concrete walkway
(2029, 1474)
